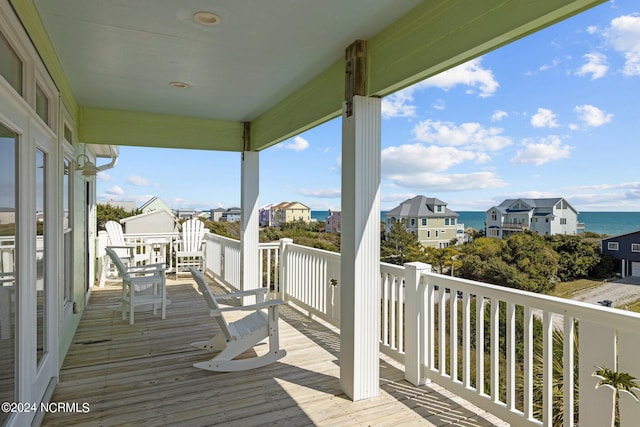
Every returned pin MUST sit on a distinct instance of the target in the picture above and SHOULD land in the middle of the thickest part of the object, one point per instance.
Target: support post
(283, 276)
(360, 260)
(250, 258)
(415, 336)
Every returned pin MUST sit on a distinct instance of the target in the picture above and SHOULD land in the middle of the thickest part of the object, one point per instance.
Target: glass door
(8, 276)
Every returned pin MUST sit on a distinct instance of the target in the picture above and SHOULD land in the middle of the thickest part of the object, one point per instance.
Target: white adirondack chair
(141, 285)
(125, 251)
(241, 335)
(190, 252)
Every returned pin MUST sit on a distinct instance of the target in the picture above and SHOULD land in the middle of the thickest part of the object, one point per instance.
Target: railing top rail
(212, 236)
(386, 267)
(610, 317)
(315, 251)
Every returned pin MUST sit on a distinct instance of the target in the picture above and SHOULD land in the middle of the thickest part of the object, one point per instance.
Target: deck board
(142, 374)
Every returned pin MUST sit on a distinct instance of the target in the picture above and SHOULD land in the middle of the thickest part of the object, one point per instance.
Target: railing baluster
(442, 330)
(528, 363)
(401, 299)
(568, 370)
(495, 350)
(453, 333)
(466, 340)
(479, 344)
(511, 356)
(547, 368)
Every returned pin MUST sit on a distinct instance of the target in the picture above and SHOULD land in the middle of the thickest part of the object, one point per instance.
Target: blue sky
(556, 114)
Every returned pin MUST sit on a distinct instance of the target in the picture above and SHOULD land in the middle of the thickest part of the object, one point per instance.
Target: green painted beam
(428, 40)
(30, 18)
(116, 127)
(431, 38)
(316, 102)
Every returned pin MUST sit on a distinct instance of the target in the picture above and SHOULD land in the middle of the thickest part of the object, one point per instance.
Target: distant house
(185, 213)
(232, 215)
(265, 216)
(157, 221)
(429, 219)
(155, 204)
(333, 222)
(625, 248)
(543, 216)
(289, 212)
(216, 214)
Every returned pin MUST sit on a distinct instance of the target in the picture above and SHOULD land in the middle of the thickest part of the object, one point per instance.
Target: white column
(360, 260)
(415, 335)
(250, 258)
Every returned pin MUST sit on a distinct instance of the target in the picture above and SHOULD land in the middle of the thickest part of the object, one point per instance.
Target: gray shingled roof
(421, 206)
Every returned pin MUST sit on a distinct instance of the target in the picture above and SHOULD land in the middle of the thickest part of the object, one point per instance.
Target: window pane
(41, 165)
(8, 182)
(10, 65)
(42, 104)
(66, 227)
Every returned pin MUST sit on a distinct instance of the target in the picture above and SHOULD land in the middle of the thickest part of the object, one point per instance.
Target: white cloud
(592, 29)
(549, 149)
(138, 181)
(103, 176)
(417, 158)
(115, 190)
(331, 193)
(593, 116)
(553, 64)
(624, 36)
(298, 144)
(544, 118)
(471, 74)
(399, 104)
(469, 135)
(432, 182)
(499, 115)
(440, 105)
(596, 66)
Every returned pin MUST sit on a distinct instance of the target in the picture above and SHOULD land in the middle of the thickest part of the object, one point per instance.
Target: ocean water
(611, 223)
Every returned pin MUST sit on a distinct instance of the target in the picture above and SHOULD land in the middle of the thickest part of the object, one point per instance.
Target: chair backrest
(192, 235)
(122, 271)
(116, 237)
(210, 299)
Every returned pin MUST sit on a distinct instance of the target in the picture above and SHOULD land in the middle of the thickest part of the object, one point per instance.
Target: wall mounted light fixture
(85, 166)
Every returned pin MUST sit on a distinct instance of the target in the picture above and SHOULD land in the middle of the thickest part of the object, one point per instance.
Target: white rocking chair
(190, 253)
(241, 335)
(141, 285)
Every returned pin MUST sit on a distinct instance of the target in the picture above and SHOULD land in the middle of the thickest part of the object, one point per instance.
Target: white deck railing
(504, 363)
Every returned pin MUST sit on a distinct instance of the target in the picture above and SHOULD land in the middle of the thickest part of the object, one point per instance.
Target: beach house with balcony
(429, 218)
(333, 223)
(289, 212)
(79, 79)
(546, 217)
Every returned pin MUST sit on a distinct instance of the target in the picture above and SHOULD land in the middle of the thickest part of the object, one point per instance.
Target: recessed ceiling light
(206, 18)
(179, 85)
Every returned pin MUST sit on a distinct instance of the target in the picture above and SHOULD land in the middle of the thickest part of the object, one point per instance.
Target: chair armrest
(241, 294)
(147, 268)
(252, 307)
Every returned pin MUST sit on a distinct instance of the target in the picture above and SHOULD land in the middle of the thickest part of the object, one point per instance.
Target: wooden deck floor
(143, 375)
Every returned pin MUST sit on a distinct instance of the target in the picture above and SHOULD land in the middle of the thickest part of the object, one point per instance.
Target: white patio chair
(141, 285)
(190, 252)
(241, 335)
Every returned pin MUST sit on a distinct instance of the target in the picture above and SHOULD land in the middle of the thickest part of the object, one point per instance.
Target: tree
(442, 258)
(400, 246)
(578, 256)
(107, 212)
(618, 382)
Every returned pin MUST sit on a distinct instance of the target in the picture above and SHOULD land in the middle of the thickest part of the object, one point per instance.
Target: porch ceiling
(276, 63)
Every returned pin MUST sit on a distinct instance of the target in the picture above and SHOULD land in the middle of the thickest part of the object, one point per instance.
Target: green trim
(30, 19)
(116, 127)
(423, 43)
(426, 41)
(318, 101)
